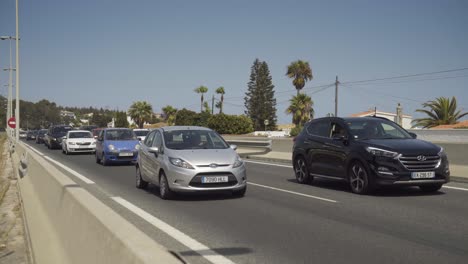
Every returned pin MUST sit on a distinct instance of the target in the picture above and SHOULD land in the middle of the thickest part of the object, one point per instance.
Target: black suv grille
(420, 162)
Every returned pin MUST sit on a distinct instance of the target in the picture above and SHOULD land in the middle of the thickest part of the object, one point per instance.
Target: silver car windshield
(193, 139)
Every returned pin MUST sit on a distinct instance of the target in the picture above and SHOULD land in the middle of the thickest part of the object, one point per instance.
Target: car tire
(66, 151)
(98, 160)
(239, 193)
(301, 171)
(140, 183)
(104, 161)
(359, 180)
(430, 188)
(164, 190)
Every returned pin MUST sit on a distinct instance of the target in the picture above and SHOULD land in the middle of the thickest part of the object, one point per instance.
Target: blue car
(116, 145)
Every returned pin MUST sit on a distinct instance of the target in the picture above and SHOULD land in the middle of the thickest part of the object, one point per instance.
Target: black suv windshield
(376, 129)
(193, 139)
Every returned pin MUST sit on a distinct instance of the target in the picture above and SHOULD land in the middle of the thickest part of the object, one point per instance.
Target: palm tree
(140, 112)
(201, 90)
(169, 114)
(301, 108)
(220, 91)
(300, 72)
(442, 111)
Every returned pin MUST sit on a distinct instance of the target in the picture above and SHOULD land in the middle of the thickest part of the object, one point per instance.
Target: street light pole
(10, 80)
(17, 116)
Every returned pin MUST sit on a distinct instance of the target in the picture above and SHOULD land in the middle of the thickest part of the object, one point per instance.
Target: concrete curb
(27, 234)
(69, 225)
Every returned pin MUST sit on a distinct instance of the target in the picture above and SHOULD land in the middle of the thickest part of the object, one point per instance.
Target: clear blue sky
(111, 53)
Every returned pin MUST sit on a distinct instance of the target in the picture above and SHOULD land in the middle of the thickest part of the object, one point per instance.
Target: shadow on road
(388, 191)
(189, 197)
(225, 251)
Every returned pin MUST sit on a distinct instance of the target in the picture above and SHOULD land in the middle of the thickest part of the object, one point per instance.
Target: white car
(78, 141)
(141, 133)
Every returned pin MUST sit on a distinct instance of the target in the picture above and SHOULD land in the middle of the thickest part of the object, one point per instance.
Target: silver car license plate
(214, 179)
(423, 175)
(125, 154)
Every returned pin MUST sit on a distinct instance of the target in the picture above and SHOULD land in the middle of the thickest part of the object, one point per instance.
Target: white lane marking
(455, 188)
(291, 192)
(189, 242)
(271, 164)
(76, 174)
(35, 150)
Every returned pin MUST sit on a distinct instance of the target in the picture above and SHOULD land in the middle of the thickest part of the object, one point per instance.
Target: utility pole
(212, 104)
(336, 96)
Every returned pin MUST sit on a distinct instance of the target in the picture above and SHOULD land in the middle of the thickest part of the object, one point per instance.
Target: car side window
(149, 139)
(337, 130)
(157, 142)
(319, 128)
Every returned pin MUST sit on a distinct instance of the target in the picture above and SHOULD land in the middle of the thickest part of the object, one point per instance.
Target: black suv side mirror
(413, 135)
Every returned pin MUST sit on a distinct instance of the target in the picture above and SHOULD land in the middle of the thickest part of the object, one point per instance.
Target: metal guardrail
(266, 144)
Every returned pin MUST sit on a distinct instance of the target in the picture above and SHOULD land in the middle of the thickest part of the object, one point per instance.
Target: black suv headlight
(382, 152)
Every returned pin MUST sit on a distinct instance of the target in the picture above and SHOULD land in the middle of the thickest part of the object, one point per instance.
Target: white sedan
(78, 141)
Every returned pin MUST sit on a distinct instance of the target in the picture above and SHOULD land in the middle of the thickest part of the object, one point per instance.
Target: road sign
(12, 122)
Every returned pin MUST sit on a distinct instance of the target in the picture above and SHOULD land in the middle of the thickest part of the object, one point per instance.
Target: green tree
(300, 72)
(186, 117)
(100, 119)
(301, 108)
(121, 119)
(207, 108)
(259, 100)
(140, 112)
(201, 90)
(442, 111)
(219, 105)
(169, 114)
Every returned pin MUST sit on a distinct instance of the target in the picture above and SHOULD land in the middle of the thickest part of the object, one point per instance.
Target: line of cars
(176, 159)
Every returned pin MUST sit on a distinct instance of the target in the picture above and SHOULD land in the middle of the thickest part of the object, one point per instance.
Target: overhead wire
(405, 76)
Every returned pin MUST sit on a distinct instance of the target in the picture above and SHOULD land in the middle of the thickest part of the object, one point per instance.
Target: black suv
(368, 152)
(54, 136)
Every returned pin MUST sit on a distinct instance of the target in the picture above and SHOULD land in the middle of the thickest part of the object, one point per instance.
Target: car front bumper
(190, 180)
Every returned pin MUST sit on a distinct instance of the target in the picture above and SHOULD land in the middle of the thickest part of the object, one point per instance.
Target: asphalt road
(281, 221)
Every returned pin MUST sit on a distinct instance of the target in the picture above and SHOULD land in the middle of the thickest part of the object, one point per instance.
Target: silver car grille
(420, 162)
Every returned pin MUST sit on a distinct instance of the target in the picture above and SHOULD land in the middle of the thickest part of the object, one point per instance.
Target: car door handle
(329, 144)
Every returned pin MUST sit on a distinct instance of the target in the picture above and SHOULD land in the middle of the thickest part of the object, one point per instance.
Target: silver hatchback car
(189, 159)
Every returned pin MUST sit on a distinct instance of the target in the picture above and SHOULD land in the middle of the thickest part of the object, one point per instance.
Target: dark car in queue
(54, 136)
(40, 136)
(31, 135)
(368, 152)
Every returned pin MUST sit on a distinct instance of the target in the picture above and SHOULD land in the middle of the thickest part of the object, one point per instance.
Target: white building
(405, 120)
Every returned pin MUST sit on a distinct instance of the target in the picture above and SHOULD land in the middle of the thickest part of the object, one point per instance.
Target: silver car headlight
(239, 162)
(180, 163)
(382, 152)
(111, 147)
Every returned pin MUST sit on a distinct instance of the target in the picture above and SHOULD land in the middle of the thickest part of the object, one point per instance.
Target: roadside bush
(295, 131)
(186, 117)
(230, 124)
